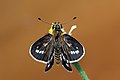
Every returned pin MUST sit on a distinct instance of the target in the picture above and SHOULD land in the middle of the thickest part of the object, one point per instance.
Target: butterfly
(58, 45)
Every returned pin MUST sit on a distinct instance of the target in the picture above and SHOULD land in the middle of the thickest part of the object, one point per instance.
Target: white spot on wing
(37, 51)
(74, 52)
(67, 65)
(76, 47)
(48, 65)
(37, 47)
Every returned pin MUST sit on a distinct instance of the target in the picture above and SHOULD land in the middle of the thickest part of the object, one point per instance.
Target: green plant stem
(81, 71)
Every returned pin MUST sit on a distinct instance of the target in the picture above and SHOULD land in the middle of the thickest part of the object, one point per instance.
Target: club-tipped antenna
(44, 21)
(70, 20)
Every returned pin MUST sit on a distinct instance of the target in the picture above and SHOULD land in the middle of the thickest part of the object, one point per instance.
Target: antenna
(70, 20)
(62, 23)
(44, 21)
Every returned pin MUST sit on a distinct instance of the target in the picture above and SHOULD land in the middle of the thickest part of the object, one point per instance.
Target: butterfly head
(56, 26)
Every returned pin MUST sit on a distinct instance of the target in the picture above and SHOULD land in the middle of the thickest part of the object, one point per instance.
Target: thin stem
(81, 71)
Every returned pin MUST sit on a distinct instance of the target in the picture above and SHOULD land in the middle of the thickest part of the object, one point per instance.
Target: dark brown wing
(42, 49)
(73, 49)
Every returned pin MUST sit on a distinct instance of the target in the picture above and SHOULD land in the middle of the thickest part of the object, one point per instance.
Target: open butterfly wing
(73, 49)
(42, 49)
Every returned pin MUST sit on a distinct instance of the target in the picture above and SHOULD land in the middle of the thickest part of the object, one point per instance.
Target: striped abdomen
(57, 57)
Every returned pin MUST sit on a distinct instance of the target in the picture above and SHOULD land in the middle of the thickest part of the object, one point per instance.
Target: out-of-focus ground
(98, 29)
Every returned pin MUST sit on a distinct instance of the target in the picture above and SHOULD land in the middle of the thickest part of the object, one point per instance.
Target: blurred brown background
(98, 29)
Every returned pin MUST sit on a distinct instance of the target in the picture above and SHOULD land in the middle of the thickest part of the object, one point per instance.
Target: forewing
(41, 49)
(73, 49)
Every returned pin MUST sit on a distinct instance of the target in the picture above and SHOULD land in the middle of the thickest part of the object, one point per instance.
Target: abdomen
(57, 57)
